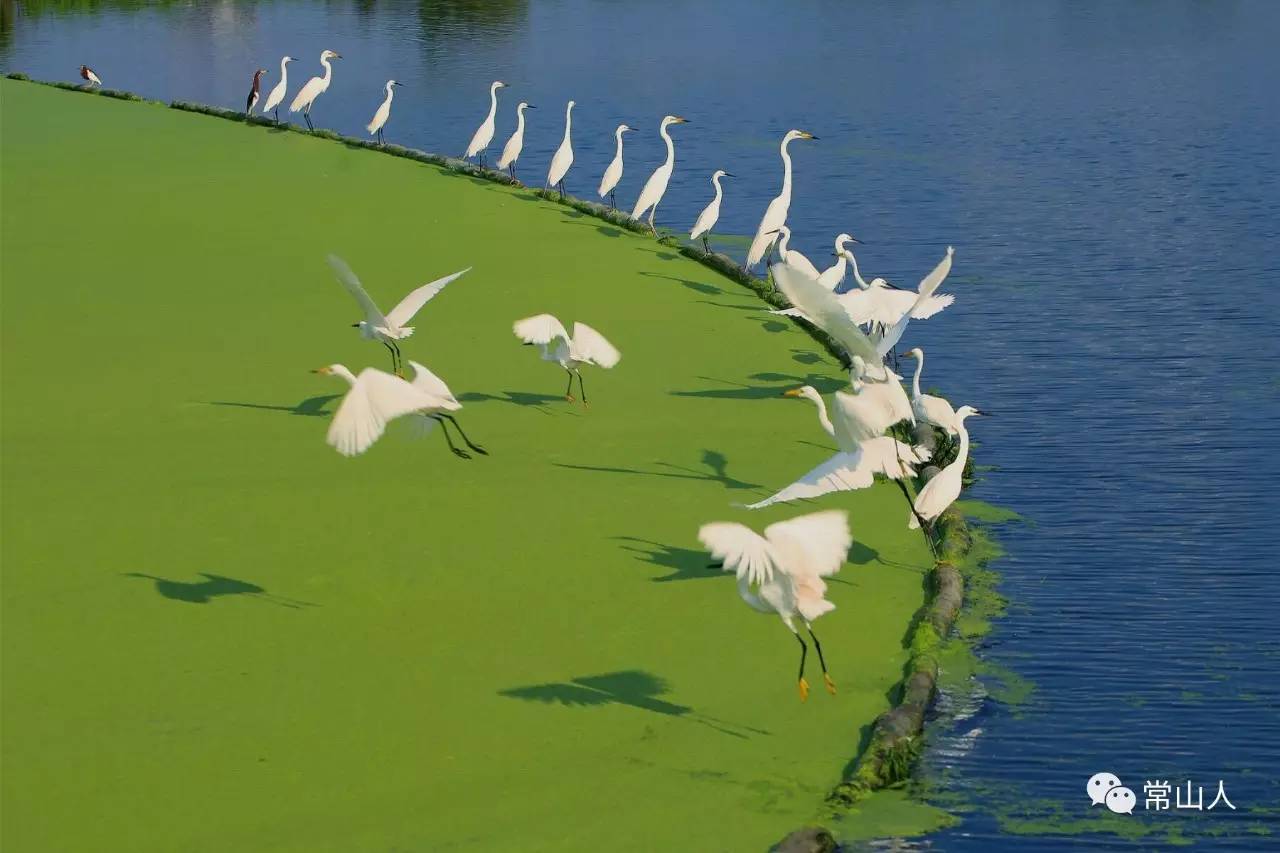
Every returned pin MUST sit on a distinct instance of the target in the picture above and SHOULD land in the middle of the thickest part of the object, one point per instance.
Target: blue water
(1108, 173)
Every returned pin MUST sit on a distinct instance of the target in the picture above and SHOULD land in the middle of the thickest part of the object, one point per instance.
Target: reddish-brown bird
(252, 100)
(89, 77)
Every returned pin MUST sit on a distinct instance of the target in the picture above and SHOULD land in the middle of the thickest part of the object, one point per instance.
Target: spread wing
(868, 413)
(433, 386)
(843, 472)
(825, 311)
(375, 399)
(820, 539)
(743, 551)
(540, 329)
(413, 303)
(372, 315)
(590, 345)
(934, 279)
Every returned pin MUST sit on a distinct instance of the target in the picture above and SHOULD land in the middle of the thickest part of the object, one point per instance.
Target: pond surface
(1108, 175)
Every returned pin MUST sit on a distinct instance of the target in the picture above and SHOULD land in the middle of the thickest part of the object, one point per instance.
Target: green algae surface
(219, 634)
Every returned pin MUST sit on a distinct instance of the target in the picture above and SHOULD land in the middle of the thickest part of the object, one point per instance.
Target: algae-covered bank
(219, 634)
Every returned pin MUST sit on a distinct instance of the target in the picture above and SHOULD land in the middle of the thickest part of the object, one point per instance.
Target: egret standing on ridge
(374, 399)
(656, 186)
(315, 87)
(383, 113)
(390, 327)
(587, 346)
(426, 381)
(776, 213)
(613, 173)
(563, 157)
(833, 275)
(90, 79)
(252, 100)
(511, 151)
(272, 104)
(878, 302)
(940, 492)
(791, 256)
(711, 213)
(786, 567)
(484, 133)
(928, 408)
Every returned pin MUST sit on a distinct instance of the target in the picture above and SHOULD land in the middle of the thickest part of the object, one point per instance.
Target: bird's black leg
(307, 116)
(477, 448)
(277, 112)
(924, 525)
(395, 368)
(457, 451)
(581, 387)
(705, 245)
(613, 204)
(395, 348)
(379, 137)
(826, 676)
(804, 651)
(568, 392)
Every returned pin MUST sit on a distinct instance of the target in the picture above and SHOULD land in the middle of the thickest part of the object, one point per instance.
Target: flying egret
(833, 275)
(613, 173)
(587, 346)
(374, 399)
(426, 381)
(90, 79)
(511, 151)
(484, 133)
(879, 302)
(563, 157)
(276, 96)
(822, 308)
(390, 327)
(940, 492)
(782, 571)
(776, 213)
(857, 422)
(928, 408)
(711, 213)
(656, 186)
(384, 112)
(792, 257)
(252, 100)
(315, 87)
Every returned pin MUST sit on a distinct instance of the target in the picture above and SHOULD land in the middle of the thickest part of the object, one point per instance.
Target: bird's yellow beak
(322, 370)
(792, 392)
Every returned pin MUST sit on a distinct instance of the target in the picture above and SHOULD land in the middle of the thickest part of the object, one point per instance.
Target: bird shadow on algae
(215, 586)
(699, 286)
(310, 407)
(518, 398)
(744, 391)
(633, 688)
(715, 462)
(689, 564)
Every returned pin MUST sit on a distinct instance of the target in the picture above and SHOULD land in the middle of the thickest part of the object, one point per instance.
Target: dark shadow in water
(633, 688)
(214, 586)
(311, 407)
(700, 286)
(714, 461)
(687, 564)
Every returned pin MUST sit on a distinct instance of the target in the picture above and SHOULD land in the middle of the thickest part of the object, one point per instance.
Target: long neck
(915, 380)
(568, 123)
(284, 70)
(328, 70)
(339, 370)
(493, 102)
(671, 148)
(617, 155)
(257, 80)
(520, 122)
(390, 94)
(716, 183)
(786, 171)
(856, 275)
(784, 239)
(963, 454)
(823, 419)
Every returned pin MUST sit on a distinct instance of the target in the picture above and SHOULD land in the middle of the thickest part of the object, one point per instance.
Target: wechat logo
(1106, 789)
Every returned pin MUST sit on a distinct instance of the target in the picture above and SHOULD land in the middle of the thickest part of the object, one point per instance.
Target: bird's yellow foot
(804, 690)
(831, 685)
(569, 397)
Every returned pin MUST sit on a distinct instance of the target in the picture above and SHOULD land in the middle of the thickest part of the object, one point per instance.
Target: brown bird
(252, 100)
(90, 78)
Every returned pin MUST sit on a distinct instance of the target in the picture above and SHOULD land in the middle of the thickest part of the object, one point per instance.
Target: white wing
(841, 473)
(870, 411)
(375, 399)
(894, 333)
(926, 306)
(307, 94)
(428, 383)
(412, 303)
(541, 329)
(742, 550)
(372, 315)
(826, 312)
(934, 279)
(590, 345)
(833, 275)
(803, 264)
(813, 544)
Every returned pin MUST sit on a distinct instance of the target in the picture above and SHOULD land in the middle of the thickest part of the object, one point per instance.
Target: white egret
(563, 158)
(587, 346)
(613, 172)
(782, 571)
(940, 492)
(711, 213)
(656, 186)
(390, 327)
(879, 302)
(928, 408)
(90, 79)
(383, 113)
(833, 275)
(511, 151)
(426, 381)
(252, 100)
(374, 399)
(856, 422)
(776, 213)
(484, 133)
(277, 93)
(822, 308)
(791, 257)
(315, 87)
